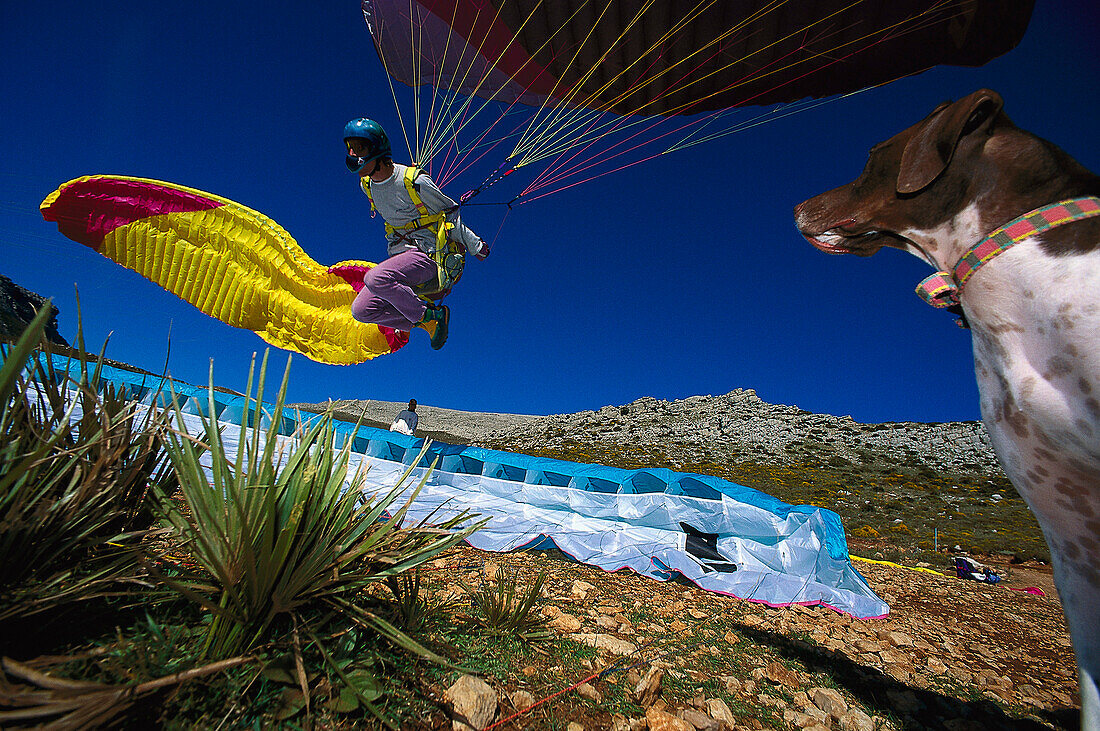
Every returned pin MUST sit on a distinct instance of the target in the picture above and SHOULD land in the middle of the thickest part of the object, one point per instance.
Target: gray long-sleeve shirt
(391, 199)
(405, 422)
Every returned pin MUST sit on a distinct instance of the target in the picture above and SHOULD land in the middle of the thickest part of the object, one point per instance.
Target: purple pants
(387, 297)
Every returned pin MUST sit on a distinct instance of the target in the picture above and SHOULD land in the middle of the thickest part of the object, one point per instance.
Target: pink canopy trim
(88, 209)
(350, 273)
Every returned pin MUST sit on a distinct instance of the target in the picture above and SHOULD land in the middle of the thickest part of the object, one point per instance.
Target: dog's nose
(800, 216)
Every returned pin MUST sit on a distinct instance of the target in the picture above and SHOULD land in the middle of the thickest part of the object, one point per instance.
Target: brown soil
(952, 654)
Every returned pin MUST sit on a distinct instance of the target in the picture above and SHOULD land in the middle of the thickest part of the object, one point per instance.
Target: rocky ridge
(740, 426)
(18, 306)
(737, 426)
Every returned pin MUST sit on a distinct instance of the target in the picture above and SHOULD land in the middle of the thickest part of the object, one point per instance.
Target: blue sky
(681, 276)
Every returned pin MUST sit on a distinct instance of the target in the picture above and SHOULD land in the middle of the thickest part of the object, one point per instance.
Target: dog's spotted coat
(1034, 311)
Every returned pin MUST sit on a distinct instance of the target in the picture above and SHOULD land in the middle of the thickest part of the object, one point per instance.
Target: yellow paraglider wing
(231, 262)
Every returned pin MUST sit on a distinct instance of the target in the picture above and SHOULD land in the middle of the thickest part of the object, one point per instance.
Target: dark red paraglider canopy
(682, 56)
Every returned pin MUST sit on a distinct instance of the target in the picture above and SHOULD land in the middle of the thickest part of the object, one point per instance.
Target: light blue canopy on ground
(722, 536)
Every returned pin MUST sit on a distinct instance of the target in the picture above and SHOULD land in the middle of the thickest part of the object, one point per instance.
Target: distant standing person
(407, 420)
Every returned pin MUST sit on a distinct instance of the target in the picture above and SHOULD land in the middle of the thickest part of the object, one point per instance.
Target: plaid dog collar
(942, 288)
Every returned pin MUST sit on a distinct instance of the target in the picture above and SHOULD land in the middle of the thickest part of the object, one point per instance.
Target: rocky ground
(952, 654)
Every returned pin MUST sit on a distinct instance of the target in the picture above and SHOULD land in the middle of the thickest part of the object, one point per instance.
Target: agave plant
(506, 607)
(412, 611)
(79, 475)
(281, 525)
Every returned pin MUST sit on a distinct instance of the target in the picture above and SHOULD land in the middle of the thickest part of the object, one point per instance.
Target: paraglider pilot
(424, 232)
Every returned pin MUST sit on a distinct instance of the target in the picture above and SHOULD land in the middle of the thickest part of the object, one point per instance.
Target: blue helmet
(377, 142)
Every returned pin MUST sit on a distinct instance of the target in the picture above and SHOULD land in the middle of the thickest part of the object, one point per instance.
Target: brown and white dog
(938, 189)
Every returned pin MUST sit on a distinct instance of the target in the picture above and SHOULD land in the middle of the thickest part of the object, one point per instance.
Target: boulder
(829, 700)
(474, 703)
(649, 687)
(662, 721)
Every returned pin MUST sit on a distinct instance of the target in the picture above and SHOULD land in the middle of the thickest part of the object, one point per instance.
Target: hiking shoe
(436, 320)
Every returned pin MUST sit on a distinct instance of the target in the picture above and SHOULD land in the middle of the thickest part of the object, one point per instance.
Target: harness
(942, 289)
(449, 256)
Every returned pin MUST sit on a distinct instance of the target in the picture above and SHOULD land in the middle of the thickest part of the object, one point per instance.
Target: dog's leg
(1081, 603)
(1044, 440)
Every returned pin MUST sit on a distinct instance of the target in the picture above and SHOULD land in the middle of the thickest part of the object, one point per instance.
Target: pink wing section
(350, 273)
(87, 209)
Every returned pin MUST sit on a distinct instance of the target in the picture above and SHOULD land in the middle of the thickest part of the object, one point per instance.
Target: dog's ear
(929, 150)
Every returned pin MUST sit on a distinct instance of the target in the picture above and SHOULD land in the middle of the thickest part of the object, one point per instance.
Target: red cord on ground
(517, 714)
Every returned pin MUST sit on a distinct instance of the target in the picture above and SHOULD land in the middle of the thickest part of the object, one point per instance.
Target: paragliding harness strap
(449, 256)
